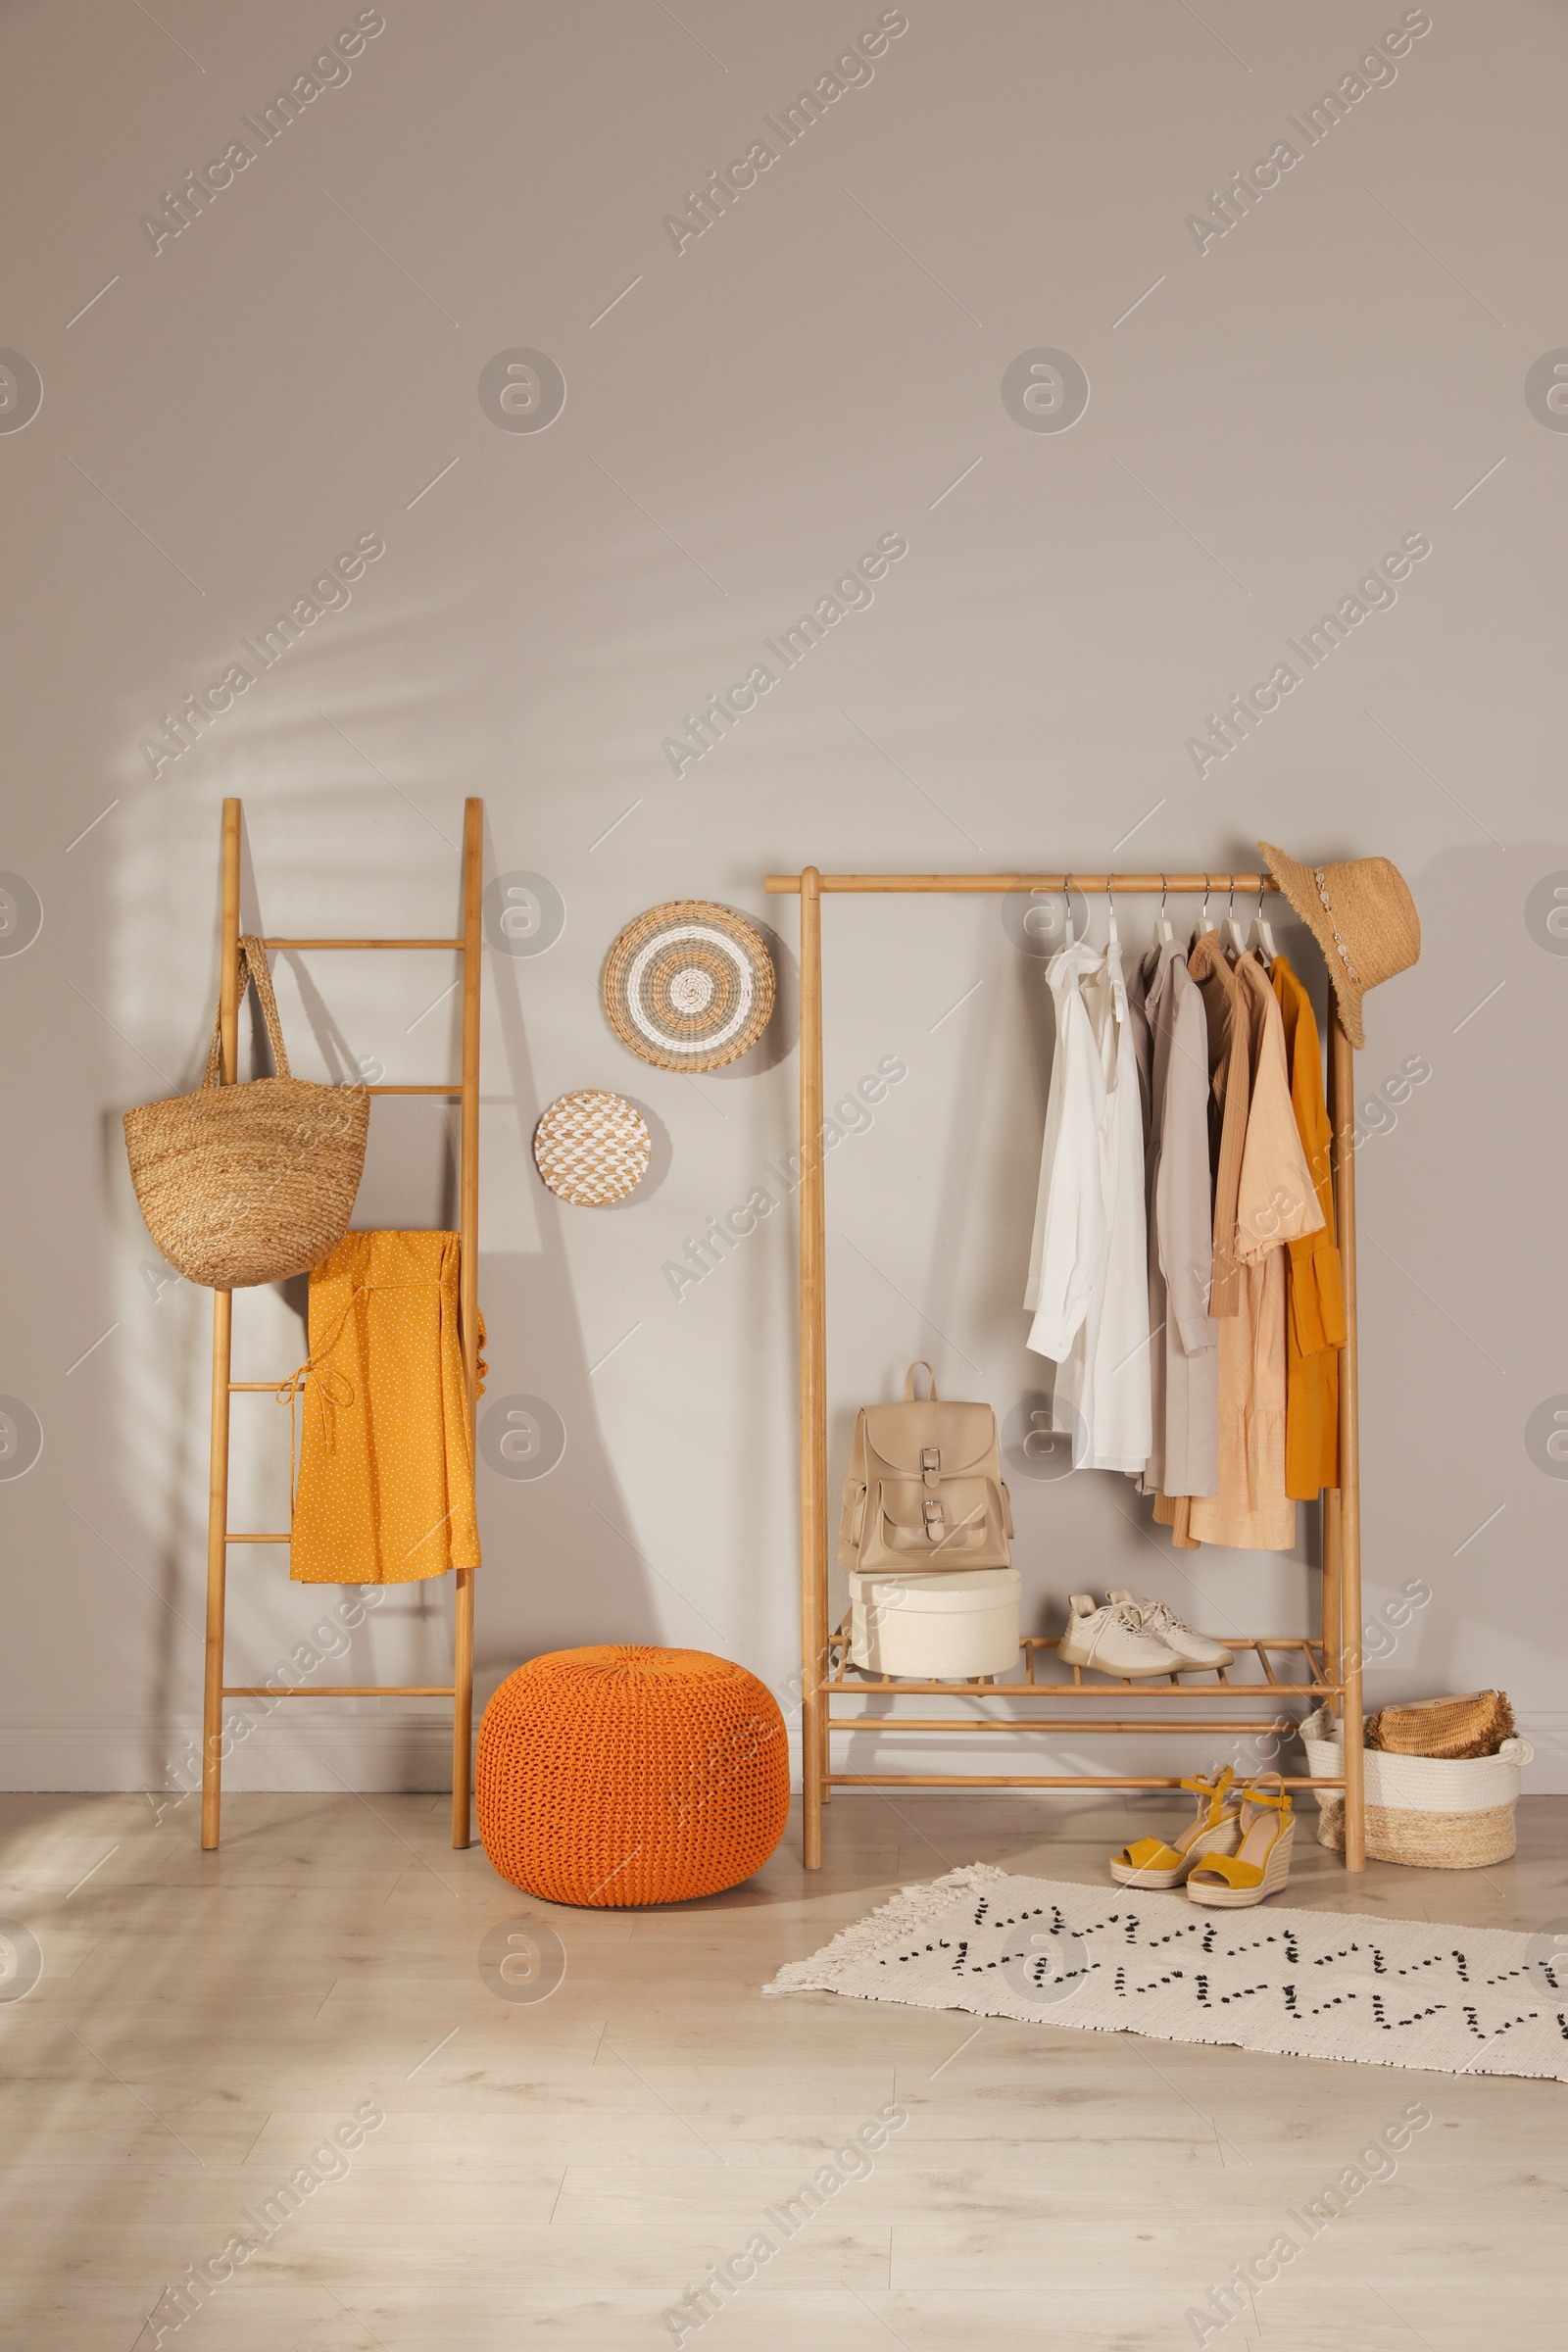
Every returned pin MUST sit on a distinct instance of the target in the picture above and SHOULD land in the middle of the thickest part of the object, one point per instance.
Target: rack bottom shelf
(1024, 1780)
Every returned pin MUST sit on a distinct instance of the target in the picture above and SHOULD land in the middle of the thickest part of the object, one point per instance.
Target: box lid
(954, 1592)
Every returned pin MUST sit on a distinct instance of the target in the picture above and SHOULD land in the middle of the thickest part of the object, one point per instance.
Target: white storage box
(941, 1628)
(1428, 1812)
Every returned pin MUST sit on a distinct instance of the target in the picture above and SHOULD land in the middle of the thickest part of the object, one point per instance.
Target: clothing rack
(220, 1535)
(1333, 1660)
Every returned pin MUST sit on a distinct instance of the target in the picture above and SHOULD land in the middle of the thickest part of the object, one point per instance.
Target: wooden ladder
(220, 1535)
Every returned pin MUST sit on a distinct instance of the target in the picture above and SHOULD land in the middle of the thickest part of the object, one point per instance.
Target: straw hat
(1363, 918)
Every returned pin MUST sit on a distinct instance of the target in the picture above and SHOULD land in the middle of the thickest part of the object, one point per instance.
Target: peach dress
(1276, 1204)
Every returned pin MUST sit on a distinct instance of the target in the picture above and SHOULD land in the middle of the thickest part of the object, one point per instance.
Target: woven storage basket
(248, 1184)
(626, 1774)
(1428, 1812)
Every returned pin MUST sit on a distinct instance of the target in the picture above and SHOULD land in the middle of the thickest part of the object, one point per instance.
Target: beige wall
(822, 366)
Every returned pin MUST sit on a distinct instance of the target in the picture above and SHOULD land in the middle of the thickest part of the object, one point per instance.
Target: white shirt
(1088, 1282)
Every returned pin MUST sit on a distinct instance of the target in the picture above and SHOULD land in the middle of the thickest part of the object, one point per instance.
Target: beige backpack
(924, 1489)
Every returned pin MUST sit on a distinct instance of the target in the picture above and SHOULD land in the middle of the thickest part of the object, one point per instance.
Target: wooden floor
(561, 2172)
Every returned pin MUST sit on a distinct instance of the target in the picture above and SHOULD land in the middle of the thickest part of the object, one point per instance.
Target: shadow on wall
(562, 1566)
(778, 1040)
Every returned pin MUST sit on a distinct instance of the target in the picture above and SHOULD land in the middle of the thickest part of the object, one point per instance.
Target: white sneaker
(1157, 1619)
(1112, 1641)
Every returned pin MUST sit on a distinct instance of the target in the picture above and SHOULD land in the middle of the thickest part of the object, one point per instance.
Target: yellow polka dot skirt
(387, 1469)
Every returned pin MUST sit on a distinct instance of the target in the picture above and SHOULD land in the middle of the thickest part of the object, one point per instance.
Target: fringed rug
(1299, 1983)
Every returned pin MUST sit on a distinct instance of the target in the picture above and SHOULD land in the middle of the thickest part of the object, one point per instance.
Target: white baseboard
(386, 1754)
(382, 1757)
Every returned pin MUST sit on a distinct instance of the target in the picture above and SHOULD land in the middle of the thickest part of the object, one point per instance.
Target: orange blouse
(1314, 1324)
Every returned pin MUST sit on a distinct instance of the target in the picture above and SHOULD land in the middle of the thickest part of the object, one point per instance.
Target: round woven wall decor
(592, 1148)
(689, 986)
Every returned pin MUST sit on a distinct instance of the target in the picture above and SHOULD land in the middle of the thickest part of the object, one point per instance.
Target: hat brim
(1297, 883)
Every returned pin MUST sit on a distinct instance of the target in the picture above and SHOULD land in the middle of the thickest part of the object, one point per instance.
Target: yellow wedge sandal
(1262, 1863)
(1214, 1830)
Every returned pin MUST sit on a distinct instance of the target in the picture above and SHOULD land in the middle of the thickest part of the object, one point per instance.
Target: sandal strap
(1215, 1787)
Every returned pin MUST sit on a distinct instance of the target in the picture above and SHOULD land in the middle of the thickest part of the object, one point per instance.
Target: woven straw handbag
(1474, 1725)
(247, 1184)
(924, 1490)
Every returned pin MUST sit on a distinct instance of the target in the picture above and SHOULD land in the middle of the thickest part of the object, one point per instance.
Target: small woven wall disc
(592, 1148)
(689, 986)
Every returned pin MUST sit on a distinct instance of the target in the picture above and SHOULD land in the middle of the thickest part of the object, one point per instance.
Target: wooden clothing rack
(220, 1535)
(1332, 1660)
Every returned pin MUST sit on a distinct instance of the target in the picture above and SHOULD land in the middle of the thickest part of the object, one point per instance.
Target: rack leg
(222, 1358)
(814, 1378)
(1333, 1641)
(1343, 1074)
(463, 1708)
(468, 1300)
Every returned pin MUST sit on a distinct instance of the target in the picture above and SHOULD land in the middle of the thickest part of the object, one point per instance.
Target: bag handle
(252, 967)
(919, 1365)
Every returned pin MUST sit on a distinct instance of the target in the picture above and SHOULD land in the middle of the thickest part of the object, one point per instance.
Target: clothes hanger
(1067, 900)
(1163, 934)
(1262, 936)
(1233, 944)
(1203, 925)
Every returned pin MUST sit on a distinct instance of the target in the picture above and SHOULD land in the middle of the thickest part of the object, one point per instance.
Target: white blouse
(1088, 1286)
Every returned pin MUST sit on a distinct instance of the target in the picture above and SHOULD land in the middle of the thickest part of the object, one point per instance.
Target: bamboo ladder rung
(220, 1535)
(364, 943)
(339, 1690)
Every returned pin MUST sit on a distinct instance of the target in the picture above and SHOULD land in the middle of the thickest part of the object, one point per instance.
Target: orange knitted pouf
(624, 1775)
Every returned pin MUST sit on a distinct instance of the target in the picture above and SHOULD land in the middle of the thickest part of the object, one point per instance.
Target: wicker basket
(1428, 1812)
(247, 1184)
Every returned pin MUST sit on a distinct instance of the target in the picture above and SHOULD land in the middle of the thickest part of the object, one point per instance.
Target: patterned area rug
(1300, 1983)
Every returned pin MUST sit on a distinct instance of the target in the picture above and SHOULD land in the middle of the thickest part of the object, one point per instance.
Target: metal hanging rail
(220, 1535)
(1333, 1660)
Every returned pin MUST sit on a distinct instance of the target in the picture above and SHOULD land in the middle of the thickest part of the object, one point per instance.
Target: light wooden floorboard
(562, 2172)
